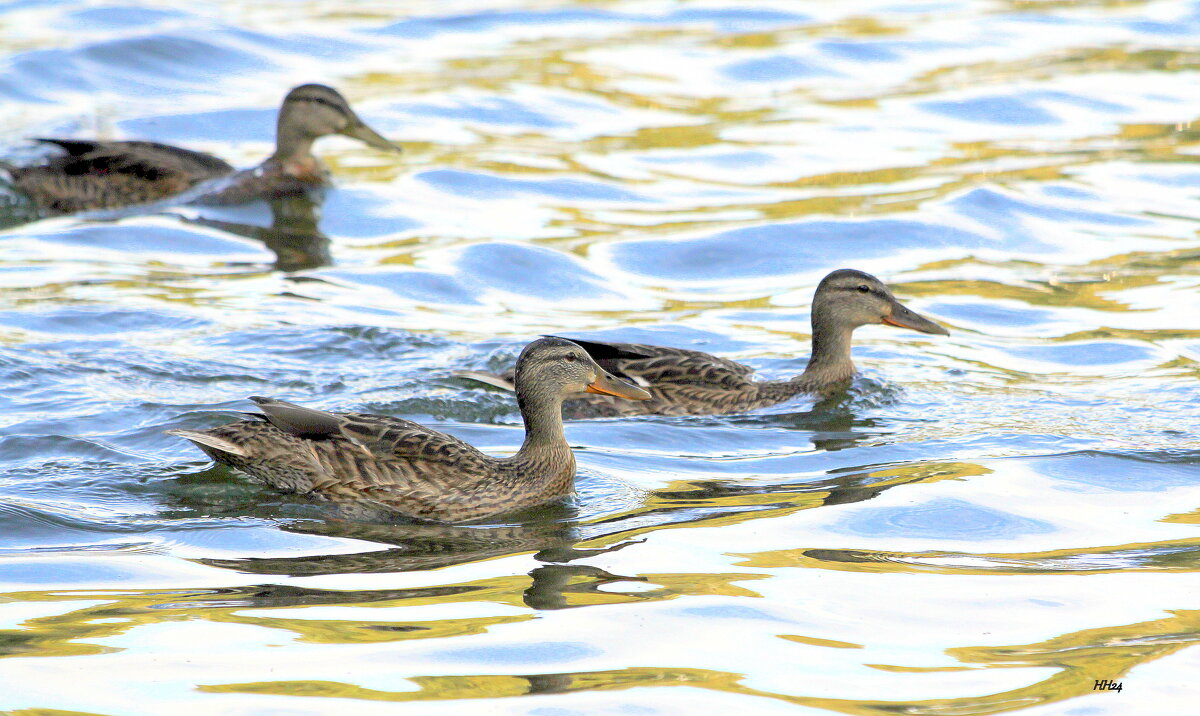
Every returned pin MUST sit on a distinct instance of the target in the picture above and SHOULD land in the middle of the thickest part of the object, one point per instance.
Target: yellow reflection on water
(675, 111)
(1169, 556)
(548, 587)
(1079, 660)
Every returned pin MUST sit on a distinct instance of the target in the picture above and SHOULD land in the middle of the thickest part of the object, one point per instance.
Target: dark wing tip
(603, 350)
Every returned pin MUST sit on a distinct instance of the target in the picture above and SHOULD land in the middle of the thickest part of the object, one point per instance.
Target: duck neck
(830, 361)
(293, 145)
(542, 413)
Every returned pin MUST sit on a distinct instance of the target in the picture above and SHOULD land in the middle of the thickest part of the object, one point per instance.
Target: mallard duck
(685, 382)
(111, 174)
(411, 469)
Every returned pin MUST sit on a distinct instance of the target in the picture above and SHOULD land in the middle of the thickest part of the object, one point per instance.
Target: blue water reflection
(992, 314)
(248, 125)
(1021, 109)
(551, 652)
(97, 322)
(123, 16)
(1119, 472)
(728, 19)
(146, 238)
(488, 186)
(429, 286)
(940, 519)
(1007, 213)
(493, 110)
(509, 266)
(680, 174)
(1086, 354)
(775, 69)
(787, 248)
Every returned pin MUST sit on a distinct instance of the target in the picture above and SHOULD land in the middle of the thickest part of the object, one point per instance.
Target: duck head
(847, 299)
(561, 368)
(312, 111)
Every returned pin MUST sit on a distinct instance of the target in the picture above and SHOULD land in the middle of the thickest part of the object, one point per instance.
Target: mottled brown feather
(106, 175)
(686, 382)
(396, 463)
(680, 382)
(406, 467)
(94, 175)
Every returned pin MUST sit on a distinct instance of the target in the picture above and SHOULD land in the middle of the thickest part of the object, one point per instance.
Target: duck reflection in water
(551, 534)
(421, 546)
(293, 236)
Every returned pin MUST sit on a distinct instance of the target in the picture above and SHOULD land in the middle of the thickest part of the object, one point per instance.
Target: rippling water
(986, 522)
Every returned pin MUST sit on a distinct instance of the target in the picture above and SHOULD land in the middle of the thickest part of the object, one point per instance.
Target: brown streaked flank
(407, 468)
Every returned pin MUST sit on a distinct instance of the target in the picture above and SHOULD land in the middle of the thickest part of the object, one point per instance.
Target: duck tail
(488, 378)
(208, 443)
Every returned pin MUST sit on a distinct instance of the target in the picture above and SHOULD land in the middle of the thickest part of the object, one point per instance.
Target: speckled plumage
(396, 463)
(96, 175)
(682, 382)
(106, 175)
(409, 468)
(686, 382)
(269, 181)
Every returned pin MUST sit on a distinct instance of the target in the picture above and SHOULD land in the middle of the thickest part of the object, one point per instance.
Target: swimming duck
(110, 174)
(686, 382)
(414, 470)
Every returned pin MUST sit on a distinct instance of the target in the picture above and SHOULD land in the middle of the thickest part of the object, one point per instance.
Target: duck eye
(864, 288)
(571, 358)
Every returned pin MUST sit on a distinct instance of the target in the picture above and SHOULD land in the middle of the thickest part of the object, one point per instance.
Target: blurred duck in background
(94, 175)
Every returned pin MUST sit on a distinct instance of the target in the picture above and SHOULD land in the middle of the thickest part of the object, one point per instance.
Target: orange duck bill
(608, 384)
(902, 316)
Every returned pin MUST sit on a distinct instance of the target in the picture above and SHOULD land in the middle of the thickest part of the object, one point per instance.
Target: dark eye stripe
(319, 100)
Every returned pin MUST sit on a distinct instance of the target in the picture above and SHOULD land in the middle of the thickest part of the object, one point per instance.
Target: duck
(94, 174)
(412, 470)
(688, 382)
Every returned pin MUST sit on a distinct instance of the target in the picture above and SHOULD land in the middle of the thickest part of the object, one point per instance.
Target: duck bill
(606, 384)
(360, 131)
(904, 317)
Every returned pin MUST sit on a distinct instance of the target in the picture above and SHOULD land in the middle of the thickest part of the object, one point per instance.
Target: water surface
(986, 522)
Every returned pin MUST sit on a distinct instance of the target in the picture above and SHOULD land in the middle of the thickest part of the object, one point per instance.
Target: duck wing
(680, 382)
(357, 459)
(106, 175)
(391, 462)
(380, 437)
(649, 365)
(150, 160)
